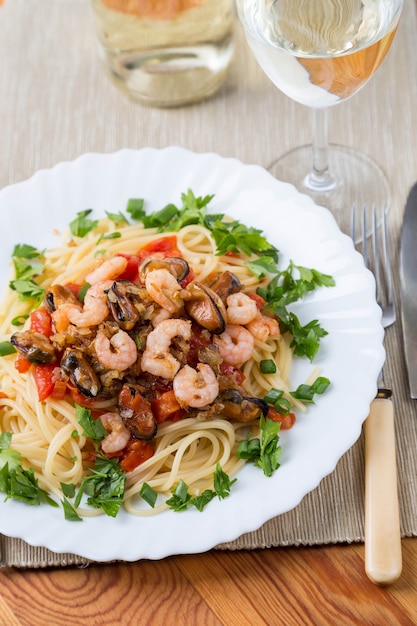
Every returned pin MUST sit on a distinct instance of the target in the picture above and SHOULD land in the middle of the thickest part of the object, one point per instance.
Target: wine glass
(319, 53)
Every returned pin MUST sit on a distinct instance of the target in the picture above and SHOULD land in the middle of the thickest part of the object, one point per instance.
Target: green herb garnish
(306, 393)
(82, 224)
(229, 235)
(275, 398)
(6, 348)
(182, 500)
(264, 450)
(117, 218)
(288, 286)
(267, 366)
(105, 483)
(15, 481)
(148, 494)
(135, 208)
(91, 428)
(27, 289)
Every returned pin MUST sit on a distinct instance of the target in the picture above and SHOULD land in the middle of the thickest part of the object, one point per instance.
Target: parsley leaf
(262, 266)
(117, 218)
(229, 235)
(294, 283)
(182, 500)
(105, 483)
(28, 264)
(82, 224)
(232, 236)
(105, 486)
(15, 481)
(288, 286)
(91, 428)
(25, 270)
(27, 289)
(222, 483)
(264, 450)
(306, 339)
(69, 511)
(25, 251)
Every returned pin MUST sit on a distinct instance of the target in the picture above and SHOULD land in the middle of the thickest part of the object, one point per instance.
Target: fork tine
(387, 259)
(377, 259)
(375, 252)
(364, 236)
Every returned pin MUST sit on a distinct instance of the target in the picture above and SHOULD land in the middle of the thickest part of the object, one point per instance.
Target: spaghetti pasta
(183, 442)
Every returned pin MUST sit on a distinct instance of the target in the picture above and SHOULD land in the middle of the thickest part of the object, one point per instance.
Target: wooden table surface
(284, 586)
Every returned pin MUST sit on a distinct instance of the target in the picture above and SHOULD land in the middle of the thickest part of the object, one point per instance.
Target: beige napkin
(56, 103)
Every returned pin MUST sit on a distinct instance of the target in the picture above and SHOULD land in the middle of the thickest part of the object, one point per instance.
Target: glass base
(354, 180)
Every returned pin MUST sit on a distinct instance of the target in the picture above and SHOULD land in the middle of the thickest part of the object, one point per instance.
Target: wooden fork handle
(383, 559)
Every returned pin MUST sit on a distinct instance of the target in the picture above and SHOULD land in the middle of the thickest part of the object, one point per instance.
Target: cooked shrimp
(235, 344)
(164, 289)
(117, 353)
(95, 309)
(159, 317)
(109, 270)
(241, 309)
(196, 387)
(60, 319)
(118, 435)
(157, 359)
(262, 327)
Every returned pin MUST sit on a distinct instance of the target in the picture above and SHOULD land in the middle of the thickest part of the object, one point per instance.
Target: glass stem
(320, 178)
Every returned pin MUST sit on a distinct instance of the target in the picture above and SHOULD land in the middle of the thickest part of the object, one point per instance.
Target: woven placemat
(56, 103)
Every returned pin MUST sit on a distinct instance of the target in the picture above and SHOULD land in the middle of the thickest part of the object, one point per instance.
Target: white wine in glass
(319, 53)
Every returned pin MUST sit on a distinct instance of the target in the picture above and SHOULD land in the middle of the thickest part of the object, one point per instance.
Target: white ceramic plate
(351, 355)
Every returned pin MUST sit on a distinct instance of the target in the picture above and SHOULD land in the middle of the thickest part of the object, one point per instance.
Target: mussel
(76, 365)
(124, 302)
(205, 307)
(177, 266)
(57, 295)
(225, 284)
(240, 408)
(34, 347)
(136, 412)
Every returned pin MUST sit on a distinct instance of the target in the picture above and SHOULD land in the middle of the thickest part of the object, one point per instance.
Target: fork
(383, 558)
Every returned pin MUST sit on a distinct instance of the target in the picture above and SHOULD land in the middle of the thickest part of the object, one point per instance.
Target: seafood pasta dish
(146, 358)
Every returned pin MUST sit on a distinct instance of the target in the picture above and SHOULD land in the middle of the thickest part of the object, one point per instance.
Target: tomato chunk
(287, 421)
(41, 322)
(260, 302)
(44, 379)
(21, 364)
(131, 271)
(166, 407)
(137, 452)
(233, 372)
(165, 246)
(59, 390)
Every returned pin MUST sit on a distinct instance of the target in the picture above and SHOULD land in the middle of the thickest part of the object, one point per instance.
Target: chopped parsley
(15, 481)
(286, 287)
(229, 235)
(264, 450)
(82, 224)
(105, 483)
(182, 500)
